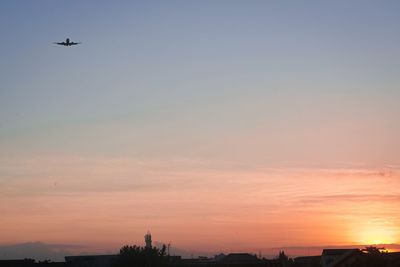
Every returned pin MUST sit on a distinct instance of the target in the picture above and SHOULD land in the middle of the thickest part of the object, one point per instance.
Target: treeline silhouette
(136, 256)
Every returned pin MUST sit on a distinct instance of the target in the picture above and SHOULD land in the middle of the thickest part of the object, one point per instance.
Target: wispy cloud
(353, 198)
(121, 194)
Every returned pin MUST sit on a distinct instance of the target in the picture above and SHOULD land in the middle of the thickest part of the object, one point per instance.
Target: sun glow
(378, 234)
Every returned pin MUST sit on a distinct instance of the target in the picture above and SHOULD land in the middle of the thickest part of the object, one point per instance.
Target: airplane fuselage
(67, 43)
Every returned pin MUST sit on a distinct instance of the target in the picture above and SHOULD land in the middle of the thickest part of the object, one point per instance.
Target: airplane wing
(72, 43)
(63, 43)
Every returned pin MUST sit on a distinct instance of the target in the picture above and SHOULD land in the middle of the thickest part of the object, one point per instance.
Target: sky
(216, 125)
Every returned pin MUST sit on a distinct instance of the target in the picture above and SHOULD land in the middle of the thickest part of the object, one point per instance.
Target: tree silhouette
(283, 259)
(371, 257)
(282, 256)
(136, 256)
(374, 250)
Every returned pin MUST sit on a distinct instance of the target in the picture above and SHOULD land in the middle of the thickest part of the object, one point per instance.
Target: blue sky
(176, 58)
(212, 65)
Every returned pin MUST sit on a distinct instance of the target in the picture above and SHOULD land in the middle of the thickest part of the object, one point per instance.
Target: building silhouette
(147, 240)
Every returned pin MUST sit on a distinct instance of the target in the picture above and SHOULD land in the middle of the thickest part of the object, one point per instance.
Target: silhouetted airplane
(67, 43)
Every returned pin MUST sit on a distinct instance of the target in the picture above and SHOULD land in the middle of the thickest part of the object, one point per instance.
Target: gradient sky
(217, 125)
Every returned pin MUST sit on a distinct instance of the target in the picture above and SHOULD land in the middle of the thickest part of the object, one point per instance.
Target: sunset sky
(216, 125)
